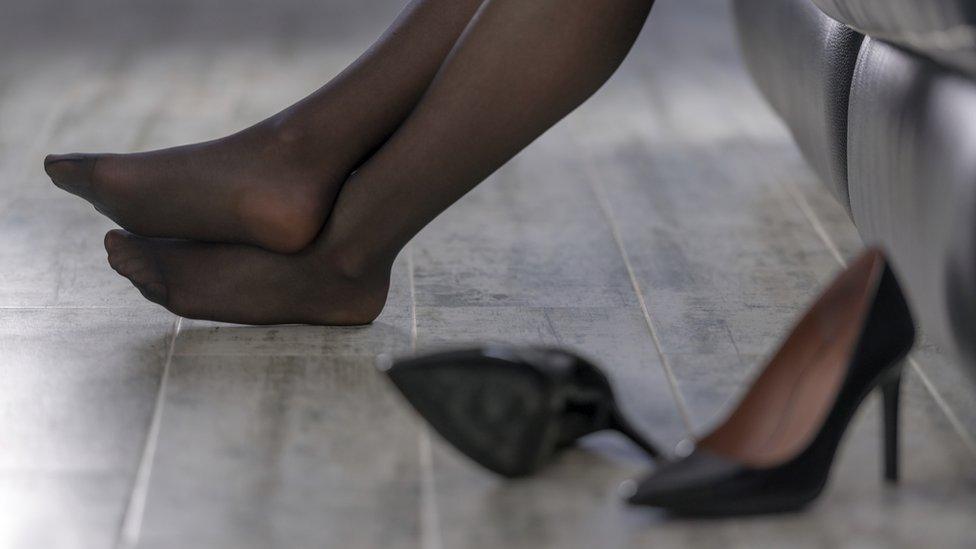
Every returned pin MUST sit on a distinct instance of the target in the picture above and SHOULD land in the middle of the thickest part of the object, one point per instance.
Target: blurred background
(123, 426)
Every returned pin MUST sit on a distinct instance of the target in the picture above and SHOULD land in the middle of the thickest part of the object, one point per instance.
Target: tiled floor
(669, 229)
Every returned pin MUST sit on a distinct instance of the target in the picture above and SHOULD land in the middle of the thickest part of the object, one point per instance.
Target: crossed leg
(517, 69)
(273, 184)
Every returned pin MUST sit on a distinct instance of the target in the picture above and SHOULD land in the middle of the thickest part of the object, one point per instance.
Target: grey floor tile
(711, 383)
(826, 212)
(952, 384)
(573, 503)
(449, 327)
(78, 393)
(506, 245)
(79, 385)
(200, 338)
(725, 263)
(619, 341)
(63, 509)
(283, 451)
(33, 246)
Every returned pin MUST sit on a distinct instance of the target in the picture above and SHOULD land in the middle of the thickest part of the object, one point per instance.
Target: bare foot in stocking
(247, 285)
(272, 185)
(257, 186)
(490, 99)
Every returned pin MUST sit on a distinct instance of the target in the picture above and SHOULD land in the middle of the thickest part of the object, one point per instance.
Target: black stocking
(518, 68)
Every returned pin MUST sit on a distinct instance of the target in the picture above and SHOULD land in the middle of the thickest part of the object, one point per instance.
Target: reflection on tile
(283, 451)
(33, 248)
(78, 392)
(61, 509)
(79, 386)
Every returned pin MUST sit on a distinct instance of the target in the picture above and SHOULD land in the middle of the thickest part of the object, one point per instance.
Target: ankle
(286, 218)
(302, 140)
(355, 263)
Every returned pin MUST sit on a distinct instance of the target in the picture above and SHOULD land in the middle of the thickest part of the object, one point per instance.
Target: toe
(132, 261)
(52, 159)
(135, 268)
(71, 172)
(125, 254)
(115, 241)
(694, 483)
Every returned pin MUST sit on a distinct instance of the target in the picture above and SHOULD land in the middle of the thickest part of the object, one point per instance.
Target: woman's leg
(518, 68)
(273, 184)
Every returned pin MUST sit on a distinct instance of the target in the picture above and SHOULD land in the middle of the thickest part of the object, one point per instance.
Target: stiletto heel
(775, 450)
(620, 424)
(511, 409)
(890, 392)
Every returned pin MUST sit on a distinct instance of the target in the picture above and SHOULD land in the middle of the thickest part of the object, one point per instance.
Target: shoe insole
(788, 403)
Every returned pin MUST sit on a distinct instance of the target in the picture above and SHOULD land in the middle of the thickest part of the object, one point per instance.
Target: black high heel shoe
(774, 452)
(510, 409)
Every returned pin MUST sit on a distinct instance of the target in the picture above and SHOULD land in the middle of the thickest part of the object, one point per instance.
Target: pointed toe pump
(774, 452)
(510, 409)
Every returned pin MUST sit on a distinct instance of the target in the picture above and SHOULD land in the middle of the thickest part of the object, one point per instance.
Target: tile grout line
(135, 510)
(815, 222)
(954, 420)
(430, 527)
(607, 210)
(967, 439)
(413, 300)
(132, 520)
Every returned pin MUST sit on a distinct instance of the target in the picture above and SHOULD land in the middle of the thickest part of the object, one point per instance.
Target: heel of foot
(285, 222)
(364, 298)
